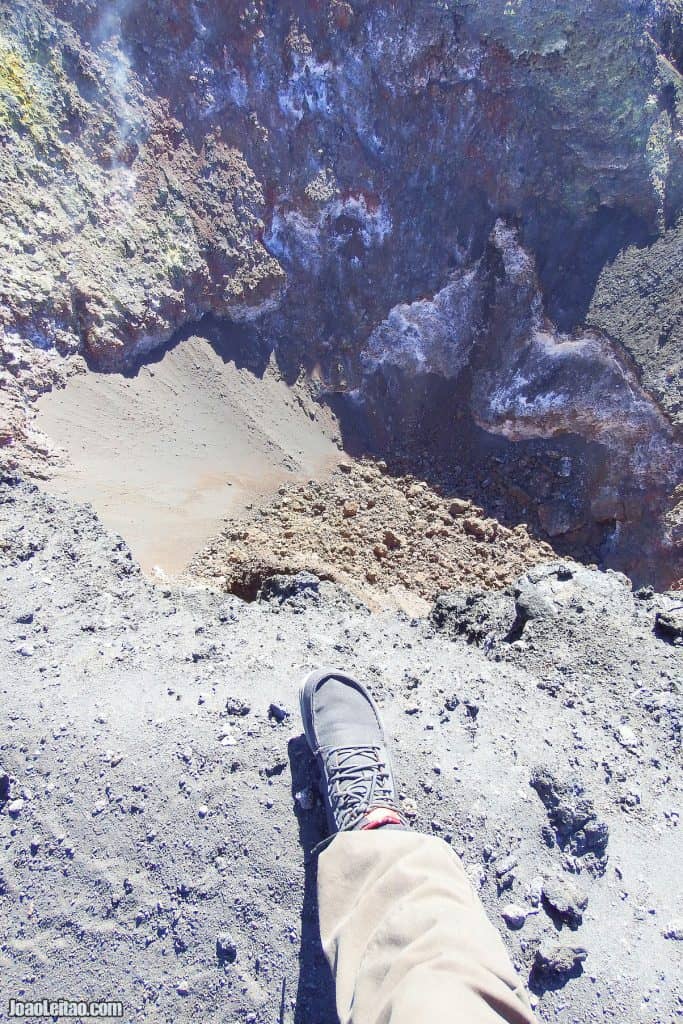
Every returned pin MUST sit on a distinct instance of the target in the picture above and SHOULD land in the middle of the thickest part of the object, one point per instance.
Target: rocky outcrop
(116, 231)
(639, 302)
(527, 378)
(510, 371)
(387, 138)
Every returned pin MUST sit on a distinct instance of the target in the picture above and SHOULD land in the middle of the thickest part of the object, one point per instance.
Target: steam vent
(341, 333)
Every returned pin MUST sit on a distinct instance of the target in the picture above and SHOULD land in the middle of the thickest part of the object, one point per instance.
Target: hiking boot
(345, 732)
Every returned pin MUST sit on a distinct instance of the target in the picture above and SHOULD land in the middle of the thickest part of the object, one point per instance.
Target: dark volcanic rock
(670, 622)
(567, 591)
(480, 617)
(581, 386)
(226, 949)
(277, 713)
(302, 587)
(236, 707)
(559, 962)
(674, 930)
(573, 817)
(564, 902)
(639, 302)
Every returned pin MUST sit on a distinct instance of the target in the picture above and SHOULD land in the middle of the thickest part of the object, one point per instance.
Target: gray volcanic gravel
(158, 808)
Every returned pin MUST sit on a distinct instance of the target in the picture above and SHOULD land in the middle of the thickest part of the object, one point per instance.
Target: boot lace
(357, 779)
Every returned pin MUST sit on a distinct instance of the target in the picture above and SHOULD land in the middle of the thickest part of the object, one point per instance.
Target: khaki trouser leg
(406, 937)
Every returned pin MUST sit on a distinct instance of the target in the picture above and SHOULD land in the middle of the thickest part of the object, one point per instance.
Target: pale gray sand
(164, 456)
(141, 818)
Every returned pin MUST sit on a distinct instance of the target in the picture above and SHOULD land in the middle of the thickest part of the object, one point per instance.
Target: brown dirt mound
(392, 541)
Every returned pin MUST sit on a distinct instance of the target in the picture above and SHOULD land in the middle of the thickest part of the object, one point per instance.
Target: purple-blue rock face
(464, 215)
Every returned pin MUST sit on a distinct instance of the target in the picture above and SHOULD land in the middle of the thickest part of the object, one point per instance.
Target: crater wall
(421, 203)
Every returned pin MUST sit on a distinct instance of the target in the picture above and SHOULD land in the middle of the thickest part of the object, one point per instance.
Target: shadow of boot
(315, 998)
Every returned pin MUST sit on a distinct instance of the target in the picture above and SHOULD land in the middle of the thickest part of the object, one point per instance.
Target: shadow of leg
(315, 999)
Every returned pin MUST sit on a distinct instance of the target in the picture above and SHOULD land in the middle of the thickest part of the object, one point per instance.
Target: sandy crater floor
(166, 455)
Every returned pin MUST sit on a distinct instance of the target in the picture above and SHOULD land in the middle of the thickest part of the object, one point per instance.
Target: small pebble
(305, 798)
(227, 738)
(409, 808)
(674, 930)
(559, 960)
(564, 900)
(505, 866)
(514, 916)
(226, 949)
(236, 708)
(626, 736)
(278, 712)
(4, 786)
